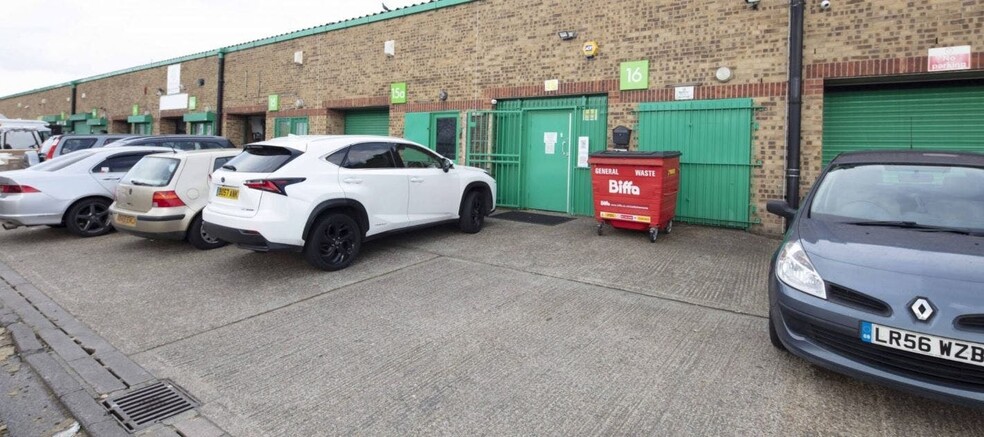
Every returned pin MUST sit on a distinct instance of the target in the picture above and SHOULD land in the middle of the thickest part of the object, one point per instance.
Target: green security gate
(367, 122)
(935, 115)
(501, 141)
(715, 137)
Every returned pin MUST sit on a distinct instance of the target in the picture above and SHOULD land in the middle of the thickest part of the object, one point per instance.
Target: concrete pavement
(520, 329)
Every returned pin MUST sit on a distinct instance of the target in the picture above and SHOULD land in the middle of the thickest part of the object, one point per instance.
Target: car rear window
(60, 162)
(152, 171)
(261, 159)
(20, 140)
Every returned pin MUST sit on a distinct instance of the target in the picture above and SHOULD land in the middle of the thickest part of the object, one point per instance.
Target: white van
(20, 141)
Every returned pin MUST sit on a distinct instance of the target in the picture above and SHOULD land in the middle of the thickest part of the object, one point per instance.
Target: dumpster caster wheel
(601, 227)
(653, 232)
(669, 227)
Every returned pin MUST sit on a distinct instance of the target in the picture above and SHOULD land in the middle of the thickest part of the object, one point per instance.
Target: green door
(367, 122)
(548, 159)
(715, 137)
(937, 115)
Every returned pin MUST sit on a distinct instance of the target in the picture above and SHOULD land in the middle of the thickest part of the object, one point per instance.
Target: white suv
(325, 195)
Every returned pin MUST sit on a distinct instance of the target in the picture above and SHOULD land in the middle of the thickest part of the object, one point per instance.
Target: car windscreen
(152, 171)
(916, 195)
(261, 159)
(60, 162)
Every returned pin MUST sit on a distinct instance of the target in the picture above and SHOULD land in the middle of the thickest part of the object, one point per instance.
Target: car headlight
(795, 269)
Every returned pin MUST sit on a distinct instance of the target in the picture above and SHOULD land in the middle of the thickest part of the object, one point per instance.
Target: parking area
(520, 329)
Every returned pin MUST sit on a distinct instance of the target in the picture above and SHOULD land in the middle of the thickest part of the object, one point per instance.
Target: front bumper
(246, 239)
(820, 332)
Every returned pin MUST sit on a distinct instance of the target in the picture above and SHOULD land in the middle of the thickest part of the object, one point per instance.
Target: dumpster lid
(636, 154)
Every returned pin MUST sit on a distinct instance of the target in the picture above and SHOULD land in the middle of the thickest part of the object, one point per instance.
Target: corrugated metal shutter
(367, 122)
(715, 137)
(940, 116)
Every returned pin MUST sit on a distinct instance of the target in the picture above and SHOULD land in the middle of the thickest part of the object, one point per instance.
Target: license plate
(228, 193)
(128, 220)
(923, 344)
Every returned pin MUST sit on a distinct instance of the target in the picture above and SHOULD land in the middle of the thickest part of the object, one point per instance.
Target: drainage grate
(146, 406)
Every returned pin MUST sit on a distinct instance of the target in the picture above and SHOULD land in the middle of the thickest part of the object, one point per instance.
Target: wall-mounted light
(201, 82)
(160, 92)
(83, 95)
(753, 3)
(389, 48)
(43, 101)
(299, 57)
(299, 103)
(443, 95)
(566, 35)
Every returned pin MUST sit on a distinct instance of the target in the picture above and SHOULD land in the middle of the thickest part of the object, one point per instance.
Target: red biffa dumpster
(635, 190)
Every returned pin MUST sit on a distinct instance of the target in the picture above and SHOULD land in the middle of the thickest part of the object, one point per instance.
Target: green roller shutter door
(367, 122)
(939, 116)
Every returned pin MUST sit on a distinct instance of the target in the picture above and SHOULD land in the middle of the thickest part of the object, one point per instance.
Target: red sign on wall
(949, 58)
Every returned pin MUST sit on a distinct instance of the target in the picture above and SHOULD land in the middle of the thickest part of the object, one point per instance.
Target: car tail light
(51, 151)
(167, 199)
(18, 189)
(272, 185)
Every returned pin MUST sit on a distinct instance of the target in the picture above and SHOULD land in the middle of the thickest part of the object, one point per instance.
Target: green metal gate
(496, 141)
(715, 137)
(941, 116)
(493, 142)
(367, 122)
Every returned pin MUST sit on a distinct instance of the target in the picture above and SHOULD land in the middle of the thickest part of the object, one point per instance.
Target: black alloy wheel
(89, 218)
(472, 213)
(334, 243)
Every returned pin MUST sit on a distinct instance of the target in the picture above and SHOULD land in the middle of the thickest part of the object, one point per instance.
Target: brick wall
(32, 106)
(499, 49)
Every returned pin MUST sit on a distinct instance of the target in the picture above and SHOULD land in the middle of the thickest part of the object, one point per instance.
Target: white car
(163, 196)
(74, 190)
(324, 195)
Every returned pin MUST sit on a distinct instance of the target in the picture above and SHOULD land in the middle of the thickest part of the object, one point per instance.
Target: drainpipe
(220, 94)
(72, 105)
(794, 103)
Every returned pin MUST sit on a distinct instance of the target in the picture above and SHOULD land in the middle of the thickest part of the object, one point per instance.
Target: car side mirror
(780, 208)
(447, 165)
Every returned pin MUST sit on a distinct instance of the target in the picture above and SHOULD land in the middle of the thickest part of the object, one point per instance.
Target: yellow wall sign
(671, 171)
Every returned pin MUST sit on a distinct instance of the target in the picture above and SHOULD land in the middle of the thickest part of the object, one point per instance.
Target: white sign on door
(550, 143)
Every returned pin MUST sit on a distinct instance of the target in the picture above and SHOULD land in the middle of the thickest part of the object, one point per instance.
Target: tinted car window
(60, 162)
(338, 157)
(210, 145)
(220, 161)
(118, 163)
(370, 155)
(415, 157)
(70, 145)
(112, 140)
(152, 171)
(260, 159)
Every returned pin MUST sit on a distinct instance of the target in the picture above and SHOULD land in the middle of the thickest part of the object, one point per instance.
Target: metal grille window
(284, 126)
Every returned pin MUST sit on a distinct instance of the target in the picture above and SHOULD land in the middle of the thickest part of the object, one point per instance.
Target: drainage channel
(111, 389)
(144, 407)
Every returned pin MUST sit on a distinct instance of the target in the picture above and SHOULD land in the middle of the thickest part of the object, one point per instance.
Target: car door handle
(352, 180)
(416, 180)
(110, 179)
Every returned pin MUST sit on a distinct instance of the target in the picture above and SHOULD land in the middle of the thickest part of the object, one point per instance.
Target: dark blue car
(881, 273)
